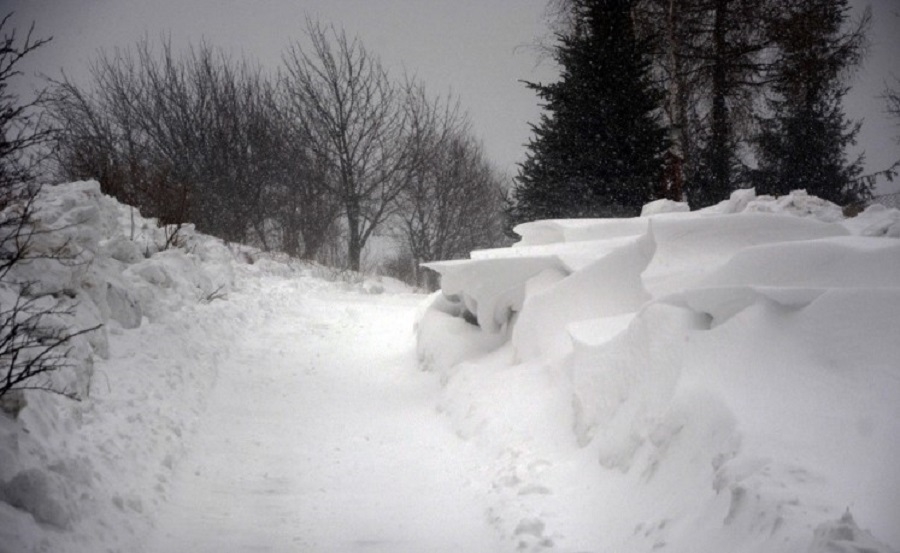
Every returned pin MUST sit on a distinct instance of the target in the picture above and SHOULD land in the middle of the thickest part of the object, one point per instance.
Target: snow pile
(664, 206)
(723, 380)
(99, 473)
(875, 220)
(92, 468)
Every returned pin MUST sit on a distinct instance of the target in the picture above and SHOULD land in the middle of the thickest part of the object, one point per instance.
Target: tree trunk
(720, 162)
(677, 107)
(290, 241)
(354, 240)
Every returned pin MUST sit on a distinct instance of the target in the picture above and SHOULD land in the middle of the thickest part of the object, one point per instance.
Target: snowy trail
(322, 436)
(698, 383)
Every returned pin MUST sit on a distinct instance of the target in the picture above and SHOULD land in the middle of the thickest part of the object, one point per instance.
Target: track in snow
(322, 436)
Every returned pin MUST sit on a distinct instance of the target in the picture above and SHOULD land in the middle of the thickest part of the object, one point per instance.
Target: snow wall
(721, 380)
(77, 473)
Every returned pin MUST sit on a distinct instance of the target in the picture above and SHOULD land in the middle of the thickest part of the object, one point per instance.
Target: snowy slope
(726, 380)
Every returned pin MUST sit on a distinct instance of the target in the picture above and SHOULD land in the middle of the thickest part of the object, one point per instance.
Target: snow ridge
(722, 380)
(75, 474)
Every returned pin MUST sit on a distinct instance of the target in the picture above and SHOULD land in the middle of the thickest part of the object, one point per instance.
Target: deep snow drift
(698, 382)
(726, 380)
(90, 475)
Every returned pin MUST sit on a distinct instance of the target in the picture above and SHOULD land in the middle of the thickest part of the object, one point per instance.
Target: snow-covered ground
(321, 436)
(697, 382)
(727, 380)
(237, 402)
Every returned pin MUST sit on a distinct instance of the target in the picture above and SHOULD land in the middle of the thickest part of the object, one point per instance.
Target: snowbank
(98, 467)
(723, 380)
(93, 475)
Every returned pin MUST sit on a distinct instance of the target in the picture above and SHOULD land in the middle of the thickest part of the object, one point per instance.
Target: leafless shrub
(35, 340)
(452, 202)
(218, 294)
(328, 152)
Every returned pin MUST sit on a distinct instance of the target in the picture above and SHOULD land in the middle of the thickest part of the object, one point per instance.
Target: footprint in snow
(530, 535)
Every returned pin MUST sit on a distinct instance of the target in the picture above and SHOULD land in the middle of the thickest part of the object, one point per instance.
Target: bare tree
(199, 138)
(326, 151)
(34, 337)
(352, 119)
(453, 201)
(21, 131)
(92, 143)
(35, 342)
(891, 97)
(892, 100)
(303, 203)
(196, 114)
(187, 138)
(133, 130)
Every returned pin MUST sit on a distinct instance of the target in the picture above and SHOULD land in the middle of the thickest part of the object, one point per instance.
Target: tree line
(690, 100)
(327, 148)
(657, 98)
(313, 159)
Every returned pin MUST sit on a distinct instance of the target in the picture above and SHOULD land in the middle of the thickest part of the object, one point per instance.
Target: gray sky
(879, 132)
(478, 49)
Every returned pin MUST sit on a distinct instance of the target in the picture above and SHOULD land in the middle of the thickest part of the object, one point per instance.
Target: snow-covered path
(722, 381)
(321, 435)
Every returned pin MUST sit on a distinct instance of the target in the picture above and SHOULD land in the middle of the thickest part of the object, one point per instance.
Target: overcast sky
(478, 49)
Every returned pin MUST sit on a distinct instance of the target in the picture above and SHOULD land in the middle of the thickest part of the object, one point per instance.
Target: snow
(876, 220)
(100, 468)
(350, 455)
(664, 206)
(722, 380)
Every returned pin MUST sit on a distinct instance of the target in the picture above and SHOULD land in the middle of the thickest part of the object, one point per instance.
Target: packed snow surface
(723, 380)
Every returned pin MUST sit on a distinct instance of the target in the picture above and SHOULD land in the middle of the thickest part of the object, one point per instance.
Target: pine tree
(597, 150)
(724, 46)
(802, 145)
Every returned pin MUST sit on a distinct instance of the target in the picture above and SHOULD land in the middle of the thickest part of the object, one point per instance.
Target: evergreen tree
(802, 145)
(597, 150)
(727, 48)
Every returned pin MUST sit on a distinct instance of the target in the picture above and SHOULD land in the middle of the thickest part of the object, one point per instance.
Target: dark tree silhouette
(597, 151)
